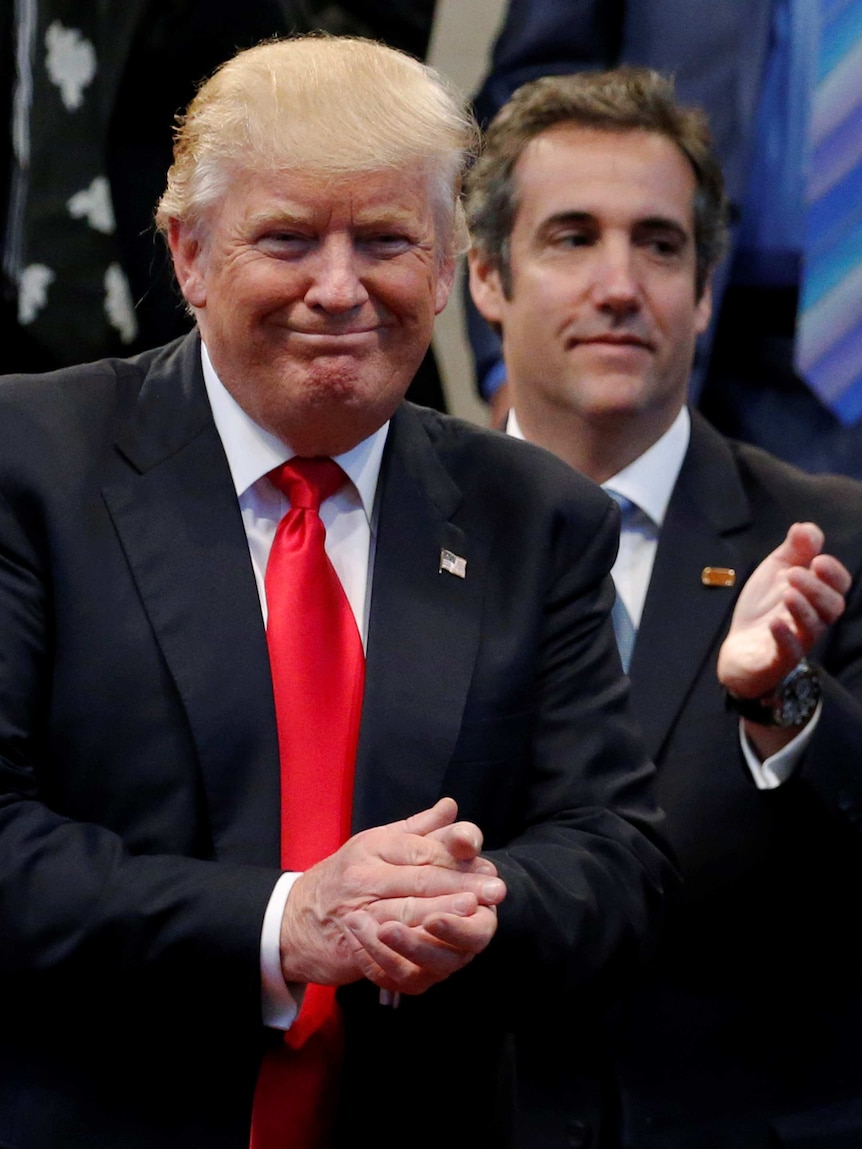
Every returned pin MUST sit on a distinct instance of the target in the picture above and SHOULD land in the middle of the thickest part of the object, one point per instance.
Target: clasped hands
(404, 905)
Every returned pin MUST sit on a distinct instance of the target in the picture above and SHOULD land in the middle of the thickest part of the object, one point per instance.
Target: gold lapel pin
(718, 576)
(452, 563)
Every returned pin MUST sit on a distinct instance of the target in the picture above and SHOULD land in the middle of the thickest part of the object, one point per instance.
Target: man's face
(316, 298)
(602, 316)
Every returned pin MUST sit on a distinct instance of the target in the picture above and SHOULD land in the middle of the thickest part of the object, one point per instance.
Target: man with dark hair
(779, 366)
(746, 1031)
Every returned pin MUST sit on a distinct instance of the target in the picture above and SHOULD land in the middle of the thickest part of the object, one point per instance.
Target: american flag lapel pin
(452, 563)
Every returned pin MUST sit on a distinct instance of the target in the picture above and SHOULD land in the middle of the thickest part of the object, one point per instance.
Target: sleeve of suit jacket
(116, 872)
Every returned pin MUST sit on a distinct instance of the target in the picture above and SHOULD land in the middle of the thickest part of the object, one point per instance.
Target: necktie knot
(632, 517)
(625, 504)
(308, 482)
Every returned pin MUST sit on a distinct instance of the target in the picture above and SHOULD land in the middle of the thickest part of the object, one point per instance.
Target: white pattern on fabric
(70, 63)
(119, 306)
(95, 205)
(33, 284)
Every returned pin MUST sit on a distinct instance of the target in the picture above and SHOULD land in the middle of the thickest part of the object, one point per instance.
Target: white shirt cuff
(774, 771)
(280, 1002)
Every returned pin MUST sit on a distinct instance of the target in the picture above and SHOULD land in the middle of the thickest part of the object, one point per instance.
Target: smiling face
(316, 298)
(600, 322)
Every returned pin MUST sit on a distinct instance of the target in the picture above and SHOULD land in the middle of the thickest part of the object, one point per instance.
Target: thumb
(802, 543)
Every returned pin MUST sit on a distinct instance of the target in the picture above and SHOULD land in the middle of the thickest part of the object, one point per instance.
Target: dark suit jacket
(139, 779)
(747, 1031)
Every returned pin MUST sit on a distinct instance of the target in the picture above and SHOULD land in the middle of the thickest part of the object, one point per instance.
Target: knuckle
(423, 881)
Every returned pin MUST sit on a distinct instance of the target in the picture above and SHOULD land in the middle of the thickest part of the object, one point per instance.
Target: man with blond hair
(598, 215)
(269, 633)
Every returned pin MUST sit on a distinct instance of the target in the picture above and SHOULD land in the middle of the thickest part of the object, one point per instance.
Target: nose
(615, 285)
(336, 283)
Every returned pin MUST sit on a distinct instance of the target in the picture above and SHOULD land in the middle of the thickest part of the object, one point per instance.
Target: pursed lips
(335, 340)
(332, 332)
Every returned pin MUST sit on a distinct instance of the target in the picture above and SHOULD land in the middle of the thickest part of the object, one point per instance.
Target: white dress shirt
(649, 482)
(348, 517)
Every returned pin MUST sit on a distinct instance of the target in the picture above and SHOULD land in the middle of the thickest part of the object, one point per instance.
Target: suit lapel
(705, 525)
(423, 630)
(174, 507)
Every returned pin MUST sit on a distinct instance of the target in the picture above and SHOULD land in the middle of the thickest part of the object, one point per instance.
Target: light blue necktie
(829, 325)
(624, 627)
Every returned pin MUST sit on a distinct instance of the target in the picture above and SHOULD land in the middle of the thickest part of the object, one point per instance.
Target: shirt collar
(252, 451)
(650, 479)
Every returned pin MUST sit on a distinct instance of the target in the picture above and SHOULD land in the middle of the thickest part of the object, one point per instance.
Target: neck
(598, 447)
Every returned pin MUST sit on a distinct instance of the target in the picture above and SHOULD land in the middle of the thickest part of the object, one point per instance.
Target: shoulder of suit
(834, 502)
(762, 471)
(74, 382)
(74, 409)
(482, 457)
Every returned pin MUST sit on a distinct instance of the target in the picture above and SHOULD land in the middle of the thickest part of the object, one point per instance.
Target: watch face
(800, 693)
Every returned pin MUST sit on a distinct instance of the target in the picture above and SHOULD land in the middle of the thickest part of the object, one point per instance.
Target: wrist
(302, 945)
(789, 706)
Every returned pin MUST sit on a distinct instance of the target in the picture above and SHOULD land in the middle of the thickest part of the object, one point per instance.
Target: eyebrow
(663, 223)
(386, 215)
(647, 223)
(567, 217)
(278, 217)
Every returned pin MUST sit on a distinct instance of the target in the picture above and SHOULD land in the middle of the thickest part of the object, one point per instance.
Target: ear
(486, 287)
(189, 262)
(445, 279)
(703, 309)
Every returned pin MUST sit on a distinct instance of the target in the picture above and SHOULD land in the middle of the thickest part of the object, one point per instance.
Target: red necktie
(318, 675)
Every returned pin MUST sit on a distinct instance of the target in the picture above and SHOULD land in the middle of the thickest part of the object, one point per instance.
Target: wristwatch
(792, 702)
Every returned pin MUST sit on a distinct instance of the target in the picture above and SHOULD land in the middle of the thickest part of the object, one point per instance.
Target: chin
(333, 421)
(615, 400)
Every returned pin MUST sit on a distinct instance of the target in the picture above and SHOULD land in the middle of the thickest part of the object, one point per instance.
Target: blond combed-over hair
(327, 106)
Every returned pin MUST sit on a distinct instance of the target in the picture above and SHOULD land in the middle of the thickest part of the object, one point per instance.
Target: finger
(789, 648)
(441, 814)
(447, 847)
(479, 865)
(387, 868)
(826, 603)
(833, 573)
(412, 911)
(467, 934)
(362, 960)
(463, 840)
(436, 958)
(401, 881)
(804, 618)
(388, 967)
